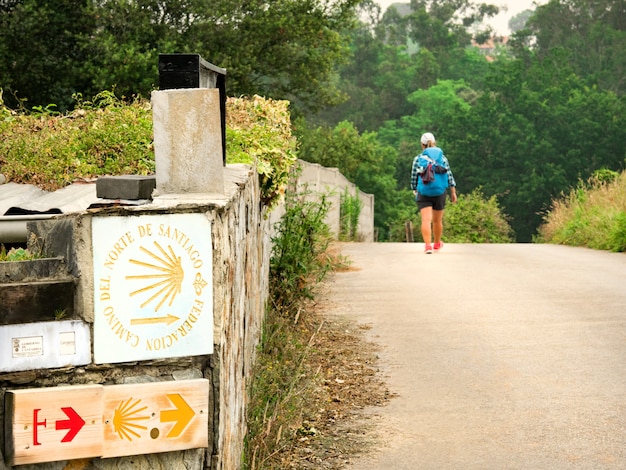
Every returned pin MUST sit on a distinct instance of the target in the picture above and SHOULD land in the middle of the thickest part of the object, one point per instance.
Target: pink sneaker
(438, 246)
(428, 248)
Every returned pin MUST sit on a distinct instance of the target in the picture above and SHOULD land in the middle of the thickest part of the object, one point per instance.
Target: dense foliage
(361, 158)
(258, 132)
(105, 136)
(283, 49)
(475, 219)
(100, 137)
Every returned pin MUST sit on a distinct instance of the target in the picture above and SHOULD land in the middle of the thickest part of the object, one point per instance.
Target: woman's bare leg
(427, 218)
(437, 218)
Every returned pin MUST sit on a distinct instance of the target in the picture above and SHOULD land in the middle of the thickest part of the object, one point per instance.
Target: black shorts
(438, 203)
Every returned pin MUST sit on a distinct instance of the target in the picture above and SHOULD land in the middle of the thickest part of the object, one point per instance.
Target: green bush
(593, 215)
(298, 252)
(473, 219)
(17, 254)
(100, 137)
(617, 233)
(258, 132)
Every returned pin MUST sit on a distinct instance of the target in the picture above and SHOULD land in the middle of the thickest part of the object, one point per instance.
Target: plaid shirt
(418, 170)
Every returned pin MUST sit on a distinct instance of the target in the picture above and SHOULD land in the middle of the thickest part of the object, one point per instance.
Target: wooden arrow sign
(155, 417)
(55, 423)
(64, 423)
(182, 415)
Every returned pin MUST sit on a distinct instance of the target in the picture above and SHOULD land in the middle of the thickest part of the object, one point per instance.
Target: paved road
(502, 356)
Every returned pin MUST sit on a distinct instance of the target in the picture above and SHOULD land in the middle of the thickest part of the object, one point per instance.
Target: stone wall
(333, 183)
(210, 351)
(314, 180)
(240, 260)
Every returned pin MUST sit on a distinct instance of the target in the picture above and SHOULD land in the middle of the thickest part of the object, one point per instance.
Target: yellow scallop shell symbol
(125, 416)
(164, 275)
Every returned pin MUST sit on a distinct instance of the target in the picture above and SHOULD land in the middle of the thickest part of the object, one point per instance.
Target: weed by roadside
(297, 395)
(350, 210)
(280, 387)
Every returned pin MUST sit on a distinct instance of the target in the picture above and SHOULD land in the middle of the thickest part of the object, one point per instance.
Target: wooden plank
(50, 424)
(64, 423)
(155, 417)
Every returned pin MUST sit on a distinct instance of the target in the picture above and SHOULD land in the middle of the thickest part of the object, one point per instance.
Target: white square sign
(153, 287)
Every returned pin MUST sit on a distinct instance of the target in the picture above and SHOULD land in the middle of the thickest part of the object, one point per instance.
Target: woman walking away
(431, 176)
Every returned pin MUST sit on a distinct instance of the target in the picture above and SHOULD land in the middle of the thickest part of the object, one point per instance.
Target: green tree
(122, 52)
(469, 65)
(533, 133)
(434, 106)
(376, 82)
(282, 49)
(593, 34)
(441, 25)
(285, 49)
(40, 50)
(405, 50)
(518, 22)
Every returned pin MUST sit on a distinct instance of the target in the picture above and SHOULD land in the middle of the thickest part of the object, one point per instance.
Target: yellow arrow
(182, 415)
(169, 319)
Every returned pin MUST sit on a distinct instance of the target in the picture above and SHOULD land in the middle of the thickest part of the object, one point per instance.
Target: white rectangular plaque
(153, 287)
(67, 343)
(44, 345)
(29, 346)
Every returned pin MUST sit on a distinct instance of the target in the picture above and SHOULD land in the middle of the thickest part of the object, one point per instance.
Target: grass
(100, 137)
(592, 215)
(350, 210)
(109, 136)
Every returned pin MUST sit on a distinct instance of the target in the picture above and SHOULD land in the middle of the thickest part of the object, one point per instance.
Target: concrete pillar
(188, 141)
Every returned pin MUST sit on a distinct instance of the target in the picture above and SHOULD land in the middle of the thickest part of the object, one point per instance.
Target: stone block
(131, 187)
(32, 270)
(54, 238)
(188, 141)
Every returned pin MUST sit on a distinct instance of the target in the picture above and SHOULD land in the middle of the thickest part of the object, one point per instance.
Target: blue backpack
(434, 180)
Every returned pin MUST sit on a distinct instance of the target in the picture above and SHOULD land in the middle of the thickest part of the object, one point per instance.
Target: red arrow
(75, 423)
